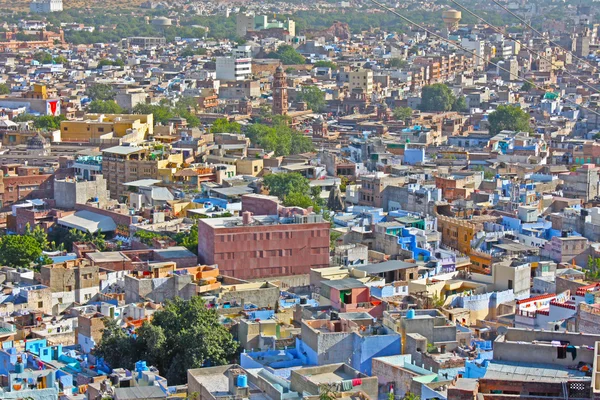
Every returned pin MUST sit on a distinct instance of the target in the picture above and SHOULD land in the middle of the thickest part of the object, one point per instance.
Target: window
(100, 129)
(510, 284)
(40, 304)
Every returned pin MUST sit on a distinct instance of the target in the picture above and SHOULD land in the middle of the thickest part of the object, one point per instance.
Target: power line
(524, 46)
(386, 8)
(541, 34)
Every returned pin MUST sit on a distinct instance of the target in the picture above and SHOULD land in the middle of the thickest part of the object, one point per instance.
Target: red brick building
(250, 247)
(21, 183)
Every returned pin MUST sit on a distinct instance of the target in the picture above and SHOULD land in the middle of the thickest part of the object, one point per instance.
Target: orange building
(457, 233)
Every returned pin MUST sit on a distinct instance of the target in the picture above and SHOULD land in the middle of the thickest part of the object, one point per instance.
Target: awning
(88, 221)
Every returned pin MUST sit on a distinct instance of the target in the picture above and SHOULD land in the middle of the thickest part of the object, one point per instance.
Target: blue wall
(414, 156)
(374, 346)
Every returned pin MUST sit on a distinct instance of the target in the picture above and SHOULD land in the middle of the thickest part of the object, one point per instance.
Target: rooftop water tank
(242, 381)
(410, 314)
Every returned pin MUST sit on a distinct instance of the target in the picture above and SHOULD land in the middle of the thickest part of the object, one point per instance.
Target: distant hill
(23, 5)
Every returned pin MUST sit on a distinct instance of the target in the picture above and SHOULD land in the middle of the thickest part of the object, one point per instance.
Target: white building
(233, 69)
(45, 6)
(477, 47)
(361, 79)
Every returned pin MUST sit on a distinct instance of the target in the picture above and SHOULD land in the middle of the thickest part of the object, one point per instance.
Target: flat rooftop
(344, 284)
(531, 372)
(385, 266)
(107, 256)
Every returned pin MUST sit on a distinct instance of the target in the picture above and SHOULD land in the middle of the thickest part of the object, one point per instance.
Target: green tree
(437, 97)
(460, 104)
(115, 63)
(279, 138)
(19, 251)
(326, 64)
(403, 113)
(411, 396)
(190, 52)
(4, 88)
(101, 91)
(509, 117)
(288, 55)
(188, 239)
(282, 184)
(297, 199)
(73, 236)
(43, 57)
(398, 63)
(314, 98)
(116, 347)
(181, 336)
(38, 234)
(161, 114)
(527, 86)
(222, 125)
(47, 122)
(61, 60)
(104, 107)
(147, 237)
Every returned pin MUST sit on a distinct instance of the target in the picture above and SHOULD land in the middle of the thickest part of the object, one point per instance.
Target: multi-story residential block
(457, 233)
(46, 6)
(94, 127)
(71, 281)
(233, 69)
(361, 79)
(371, 192)
(583, 183)
(123, 164)
(564, 248)
(262, 246)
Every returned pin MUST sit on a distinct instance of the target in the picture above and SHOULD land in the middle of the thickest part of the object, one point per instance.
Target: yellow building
(480, 261)
(361, 79)
(457, 233)
(249, 166)
(95, 126)
(122, 164)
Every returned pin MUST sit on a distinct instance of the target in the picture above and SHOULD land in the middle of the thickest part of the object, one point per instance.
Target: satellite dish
(502, 330)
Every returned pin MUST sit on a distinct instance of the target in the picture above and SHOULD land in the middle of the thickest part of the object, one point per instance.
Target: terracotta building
(262, 246)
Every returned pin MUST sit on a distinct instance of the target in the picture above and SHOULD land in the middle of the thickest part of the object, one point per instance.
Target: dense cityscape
(299, 200)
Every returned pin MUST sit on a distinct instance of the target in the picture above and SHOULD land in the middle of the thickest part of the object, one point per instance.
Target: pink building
(289, 242)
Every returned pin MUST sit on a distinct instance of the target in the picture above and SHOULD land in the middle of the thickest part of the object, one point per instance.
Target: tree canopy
(439, 97)
(398, 63)
(314, 98)
(293, 190)
(181, 336)
(162, 113)
(281, 185)
(326, 64)
(101, 91)
(510, 118)
(19, 251)
(115, 63)
(527, 86)
(104, 107)
(288, 55)
(222, 125)
(47, 122)
(279, 138)
(4, 88)
(402, 113)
